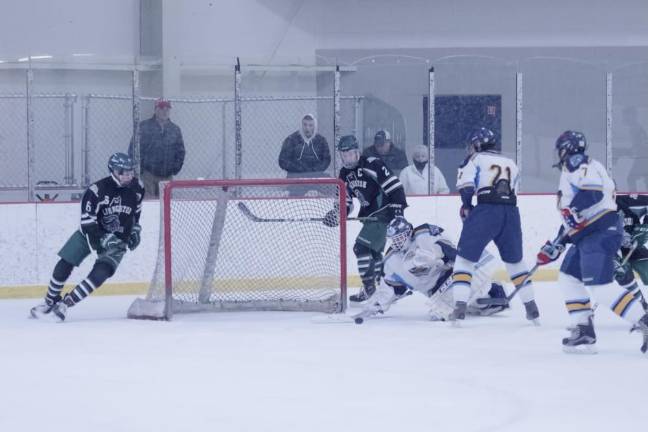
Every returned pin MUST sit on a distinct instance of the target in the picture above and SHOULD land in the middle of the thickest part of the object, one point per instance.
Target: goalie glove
(135, 237)
(332, 218)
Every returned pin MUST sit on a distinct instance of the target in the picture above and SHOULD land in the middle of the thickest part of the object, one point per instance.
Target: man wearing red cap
(162, 150)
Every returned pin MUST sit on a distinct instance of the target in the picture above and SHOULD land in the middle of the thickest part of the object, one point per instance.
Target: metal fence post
(608, 123)
(336, 117)
(31, 157)
(136, 120)
(519, 99)
(431, 144)
(85, 157)
(237, 120)
(70, 99)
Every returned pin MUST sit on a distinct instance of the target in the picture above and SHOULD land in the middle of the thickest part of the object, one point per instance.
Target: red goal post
(232, 245)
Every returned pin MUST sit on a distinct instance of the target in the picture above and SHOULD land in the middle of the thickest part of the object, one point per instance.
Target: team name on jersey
(116, 209)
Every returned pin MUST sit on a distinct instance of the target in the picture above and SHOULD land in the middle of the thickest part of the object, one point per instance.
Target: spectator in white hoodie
(415, 177)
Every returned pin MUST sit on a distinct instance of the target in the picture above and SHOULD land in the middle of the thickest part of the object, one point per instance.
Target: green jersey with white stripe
(378, 190)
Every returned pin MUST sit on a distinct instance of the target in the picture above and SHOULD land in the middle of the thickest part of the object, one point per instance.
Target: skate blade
(332, 319)
(580, 349)
(34, 314)
(536, 322)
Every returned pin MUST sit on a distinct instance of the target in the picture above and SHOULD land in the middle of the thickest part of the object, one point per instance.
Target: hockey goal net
(233, 245)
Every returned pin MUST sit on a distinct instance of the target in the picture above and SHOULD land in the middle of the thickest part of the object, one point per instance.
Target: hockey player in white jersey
(588, 209)
(493, 178)
(420, 259)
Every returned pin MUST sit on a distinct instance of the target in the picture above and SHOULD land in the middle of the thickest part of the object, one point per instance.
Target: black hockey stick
(254, 218)
(506, 300)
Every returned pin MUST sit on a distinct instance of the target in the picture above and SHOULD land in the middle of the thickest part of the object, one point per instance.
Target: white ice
(281, 372)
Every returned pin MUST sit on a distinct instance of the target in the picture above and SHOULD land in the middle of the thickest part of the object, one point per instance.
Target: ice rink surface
(270, 371)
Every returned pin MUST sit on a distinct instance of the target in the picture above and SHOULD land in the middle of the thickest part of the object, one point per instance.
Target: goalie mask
(399, 231)
(122, 168)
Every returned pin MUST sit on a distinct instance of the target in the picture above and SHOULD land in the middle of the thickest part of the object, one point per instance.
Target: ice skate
(365, 293)
(582, 339)
(458, 314)
(59, 311)
(532, 313)
(39, 311)
(642, 326)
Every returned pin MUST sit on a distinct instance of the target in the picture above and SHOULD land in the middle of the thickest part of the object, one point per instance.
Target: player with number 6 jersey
(110, 213)
(493, 178)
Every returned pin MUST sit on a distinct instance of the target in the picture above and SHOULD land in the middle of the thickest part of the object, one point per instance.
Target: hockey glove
(640, 234)
(396, 209)
(465, 211)
(109, 241)
(135, 237)
(332, 218)
(549, 252)
(571, 218)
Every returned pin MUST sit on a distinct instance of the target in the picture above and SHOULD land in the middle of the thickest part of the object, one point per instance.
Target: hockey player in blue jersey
(493, 178)
(587, 206)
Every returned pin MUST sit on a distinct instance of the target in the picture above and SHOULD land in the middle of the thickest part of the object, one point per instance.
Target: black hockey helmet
(570, 143)
(348, 142)
(121, 167)
(482, 139)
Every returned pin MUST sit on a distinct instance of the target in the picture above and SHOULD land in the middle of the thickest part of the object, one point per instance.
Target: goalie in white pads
(421, 259)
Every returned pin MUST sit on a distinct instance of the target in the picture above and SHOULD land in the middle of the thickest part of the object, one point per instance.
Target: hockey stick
(254, 218)
(506, 300)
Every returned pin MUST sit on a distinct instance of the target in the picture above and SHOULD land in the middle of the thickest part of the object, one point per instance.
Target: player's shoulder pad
(575, 161)
(468, 159)
(433, 230)
(94, 188)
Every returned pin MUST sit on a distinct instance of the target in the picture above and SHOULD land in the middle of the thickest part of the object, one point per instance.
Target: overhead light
(82, 55)
(23, 59)
(41, 57)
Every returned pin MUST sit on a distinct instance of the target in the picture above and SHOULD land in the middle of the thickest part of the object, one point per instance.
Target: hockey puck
(358, 320)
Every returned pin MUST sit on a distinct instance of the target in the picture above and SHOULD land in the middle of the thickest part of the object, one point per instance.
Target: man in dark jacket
(384, 149)
(305, 153)
(162, 150)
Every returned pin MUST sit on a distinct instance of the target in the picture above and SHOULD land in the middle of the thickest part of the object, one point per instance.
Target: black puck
(358, 320)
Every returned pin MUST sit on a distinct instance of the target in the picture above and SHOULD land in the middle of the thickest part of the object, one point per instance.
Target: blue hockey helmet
(399, 231)
(122, 167)
(570, 143)
(482, 139)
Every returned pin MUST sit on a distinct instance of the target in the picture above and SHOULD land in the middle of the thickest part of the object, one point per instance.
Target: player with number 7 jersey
(493, 178)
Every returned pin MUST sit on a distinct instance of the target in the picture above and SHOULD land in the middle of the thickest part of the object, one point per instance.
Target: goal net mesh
(247, 245)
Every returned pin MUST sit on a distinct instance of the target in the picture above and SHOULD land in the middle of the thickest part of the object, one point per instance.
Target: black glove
(397, 210)
(135, 237)
(332, 218)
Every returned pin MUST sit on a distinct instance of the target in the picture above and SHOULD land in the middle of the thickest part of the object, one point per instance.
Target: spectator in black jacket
(162, 149)
(384, 149)
(305, 153)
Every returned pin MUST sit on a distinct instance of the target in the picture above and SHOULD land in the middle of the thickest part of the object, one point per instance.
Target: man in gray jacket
(305, 153)
(162, 150)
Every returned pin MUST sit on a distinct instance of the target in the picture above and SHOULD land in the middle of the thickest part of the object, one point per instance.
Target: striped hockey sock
(81, 291)
(54, 291)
